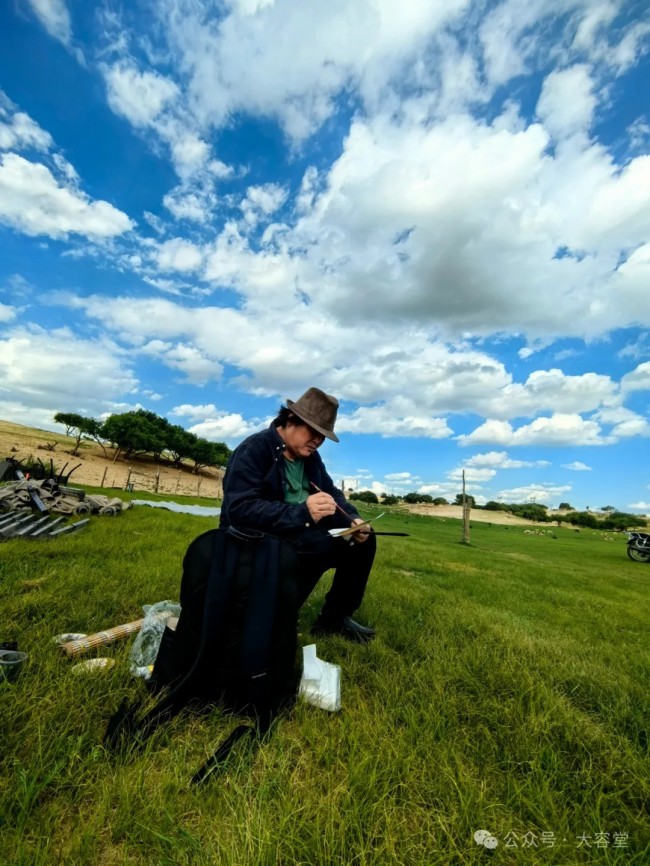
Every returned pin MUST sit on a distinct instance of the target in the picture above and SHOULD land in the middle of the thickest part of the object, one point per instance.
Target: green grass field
(507, 690)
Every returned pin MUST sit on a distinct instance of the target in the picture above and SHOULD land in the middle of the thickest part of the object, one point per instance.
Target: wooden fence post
(104, 476)
(466, 509)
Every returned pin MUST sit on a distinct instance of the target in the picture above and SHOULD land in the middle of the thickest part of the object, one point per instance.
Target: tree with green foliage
(144, 432)
(95, 430)
(564, 506)
(529, 510)
(160, 432)
(492, 505)
(470, 500)
(80, 428)
(440, 500)
(389, 499)
(621, 522)
(134, 433)
(365, 496)
(71, 421)
(417, 498)
(534, 511)
(180, 444)
(583, 518)
(206, 453)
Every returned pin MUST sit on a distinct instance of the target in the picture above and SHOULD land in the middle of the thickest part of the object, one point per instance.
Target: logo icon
(485, 838)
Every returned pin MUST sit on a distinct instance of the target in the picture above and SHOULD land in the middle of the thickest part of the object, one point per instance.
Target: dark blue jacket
(255, 483)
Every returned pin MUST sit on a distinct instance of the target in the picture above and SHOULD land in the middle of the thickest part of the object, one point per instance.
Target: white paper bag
(320, 685)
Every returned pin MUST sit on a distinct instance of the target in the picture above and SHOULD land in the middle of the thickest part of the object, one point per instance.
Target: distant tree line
(141, 432)
(410, 498)
(613, 519)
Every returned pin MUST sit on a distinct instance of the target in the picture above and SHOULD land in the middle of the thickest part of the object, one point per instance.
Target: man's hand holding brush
(321, 505)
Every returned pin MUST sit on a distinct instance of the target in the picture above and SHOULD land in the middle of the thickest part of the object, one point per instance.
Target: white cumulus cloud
(638, 379)
(138, 96)
(542, 493)
(380, 419)
(179, 255)
(58, 371)
(561, 429)
(32, 201)
(501, 460)
(197, 367)
(18, 131)
(7, 313)
(567, 101)
(55, 18)
(186, 410)
(226, 427)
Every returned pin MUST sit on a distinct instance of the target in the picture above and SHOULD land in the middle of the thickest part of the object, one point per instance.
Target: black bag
(236, 639)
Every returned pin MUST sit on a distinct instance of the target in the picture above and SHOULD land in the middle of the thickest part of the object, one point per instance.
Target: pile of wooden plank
(27, 508)
(27, 524)
(46, 497)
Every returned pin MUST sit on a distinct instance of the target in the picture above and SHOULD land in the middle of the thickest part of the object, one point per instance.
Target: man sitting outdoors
(276, 482)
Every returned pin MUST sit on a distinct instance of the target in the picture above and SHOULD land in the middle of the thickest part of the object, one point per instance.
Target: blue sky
(437, 211)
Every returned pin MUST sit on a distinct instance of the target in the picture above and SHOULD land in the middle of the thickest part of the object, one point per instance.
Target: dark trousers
(317, 552)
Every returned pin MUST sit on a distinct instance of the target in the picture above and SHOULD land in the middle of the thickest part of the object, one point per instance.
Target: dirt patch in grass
(500, 518)
(93, 468)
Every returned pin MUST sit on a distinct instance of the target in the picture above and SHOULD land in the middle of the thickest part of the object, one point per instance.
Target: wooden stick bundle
(101, 638)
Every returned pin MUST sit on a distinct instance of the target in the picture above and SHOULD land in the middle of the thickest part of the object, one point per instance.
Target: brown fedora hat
(317, 409)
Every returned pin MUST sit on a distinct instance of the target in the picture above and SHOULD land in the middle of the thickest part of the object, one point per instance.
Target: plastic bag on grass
(320, 685)
(145, 646)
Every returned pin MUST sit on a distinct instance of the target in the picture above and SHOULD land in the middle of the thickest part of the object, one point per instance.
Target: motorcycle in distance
(638, 546)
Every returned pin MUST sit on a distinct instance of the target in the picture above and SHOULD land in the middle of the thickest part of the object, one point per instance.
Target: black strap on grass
(122, 726)
(218, 759)
(221, 755)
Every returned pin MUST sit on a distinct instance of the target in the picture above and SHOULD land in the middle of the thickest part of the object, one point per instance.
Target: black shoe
(346, 627)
